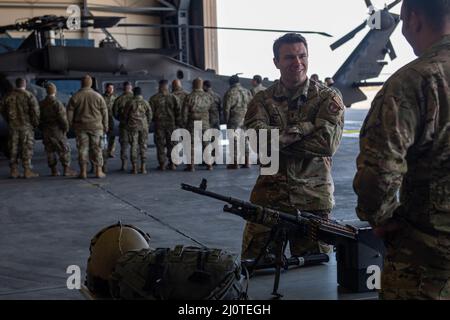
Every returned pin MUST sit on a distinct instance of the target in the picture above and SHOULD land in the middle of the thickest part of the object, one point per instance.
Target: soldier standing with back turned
(166, 114)
(54, 127)
(119, 105)
(405, 146)
(138, 116)
(235, 102)
(88, 116)
(21, 111)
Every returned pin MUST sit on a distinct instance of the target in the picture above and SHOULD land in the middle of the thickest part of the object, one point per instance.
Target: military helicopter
(41, 58)
(367, 59)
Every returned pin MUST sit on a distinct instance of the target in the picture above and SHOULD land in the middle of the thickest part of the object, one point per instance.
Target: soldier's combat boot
(105, 168)
(124, 165)
(68, 172)
(55, 171)
(209, 167)
(14, 173)
(134, 169)
(161, 167)
(28, 173)
(233, 166)
(143, 168)
(172, 167)
(190, 168)
(99, 172)
(83, 171)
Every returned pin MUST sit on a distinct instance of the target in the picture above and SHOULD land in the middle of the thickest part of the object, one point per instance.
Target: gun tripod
(279, 236)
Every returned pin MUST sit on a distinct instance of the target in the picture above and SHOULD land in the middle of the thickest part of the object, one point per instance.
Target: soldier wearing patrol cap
(405, 147)
(310, 119)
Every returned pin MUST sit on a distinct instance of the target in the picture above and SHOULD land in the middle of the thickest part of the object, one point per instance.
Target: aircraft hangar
(48, 222)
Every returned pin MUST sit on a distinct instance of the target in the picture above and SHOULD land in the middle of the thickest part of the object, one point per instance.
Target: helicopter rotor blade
(368, 3)
(348, 36)
(180, 26)
(393, 4)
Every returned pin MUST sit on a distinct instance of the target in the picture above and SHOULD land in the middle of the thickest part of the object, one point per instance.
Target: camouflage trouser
(138, 144)
(416, 266)
(89, 147)
(111, 142)
(21, 143)
(55, 142)
(124, 143)
(164, 145)
(204, 145)
(234, 152)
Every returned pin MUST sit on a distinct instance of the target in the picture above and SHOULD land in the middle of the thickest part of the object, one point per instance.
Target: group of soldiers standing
(91, 117)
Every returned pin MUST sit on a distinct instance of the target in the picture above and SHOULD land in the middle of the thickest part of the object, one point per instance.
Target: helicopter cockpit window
(180, 74)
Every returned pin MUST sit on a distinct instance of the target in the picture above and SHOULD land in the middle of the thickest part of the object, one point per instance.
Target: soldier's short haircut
(109, 84)
(257, 78)
(207, 84)
(20, 82)
(126, 84)
(163, 82)
(288, 38)
(435, 11)
(137, 91)
(197, 83)
(234, 79)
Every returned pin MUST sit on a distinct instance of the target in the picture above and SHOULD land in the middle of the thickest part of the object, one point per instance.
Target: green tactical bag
(184, 273)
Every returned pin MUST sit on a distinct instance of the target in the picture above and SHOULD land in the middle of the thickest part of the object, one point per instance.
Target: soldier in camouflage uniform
(166, 114)
(54, 127)
(138, 116)
(216, 110)
(257, 85)
(310, 118)
(197, 107)
(405, 146)
(88, 116)
(235, 102)
(21, 111)
(118, 106)
(329, 82)
(110, 97)
(179, 92)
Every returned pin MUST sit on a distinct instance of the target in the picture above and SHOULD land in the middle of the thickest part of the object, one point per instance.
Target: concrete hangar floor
(47, 223)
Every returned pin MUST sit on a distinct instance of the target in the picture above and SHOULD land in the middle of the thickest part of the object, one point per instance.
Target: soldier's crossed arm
(257, 116)
(388, 132)
(33, 105)
(321, 138)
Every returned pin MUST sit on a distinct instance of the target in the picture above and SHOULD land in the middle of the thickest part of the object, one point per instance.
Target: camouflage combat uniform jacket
(316, 115)
(405, 145)
(235, 102)
(87, 111)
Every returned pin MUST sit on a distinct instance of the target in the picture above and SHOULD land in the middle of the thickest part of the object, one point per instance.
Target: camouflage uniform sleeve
(149, 113)
(62, 116)
(104, 111)
(3, 111)
(70, 111)
(228, 102)
(115, 109)
(387, 133)
(33, 104)
(318, 139)
(177, 111)
(257, 116)
(185, 112)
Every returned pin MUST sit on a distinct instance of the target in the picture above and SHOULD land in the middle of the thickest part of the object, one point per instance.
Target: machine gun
(350, 242)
